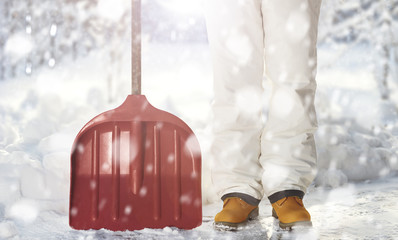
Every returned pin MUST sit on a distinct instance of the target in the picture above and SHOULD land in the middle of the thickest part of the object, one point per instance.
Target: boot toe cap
(228, 216)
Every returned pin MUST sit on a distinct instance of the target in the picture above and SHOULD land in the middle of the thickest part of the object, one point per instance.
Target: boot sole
(292, 225)
(229, 226)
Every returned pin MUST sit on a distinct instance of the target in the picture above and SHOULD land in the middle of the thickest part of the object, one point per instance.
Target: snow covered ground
(355, 194)
(362, 211)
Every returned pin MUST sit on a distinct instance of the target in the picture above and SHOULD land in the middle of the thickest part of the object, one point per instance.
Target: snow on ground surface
(356, 211)
(41, 115)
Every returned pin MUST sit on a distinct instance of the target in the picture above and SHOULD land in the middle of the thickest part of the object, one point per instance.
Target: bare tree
(353, 22)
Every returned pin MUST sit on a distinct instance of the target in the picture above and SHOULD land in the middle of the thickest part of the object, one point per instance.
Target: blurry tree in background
(354, 22)
(40, 33)
(36, 33)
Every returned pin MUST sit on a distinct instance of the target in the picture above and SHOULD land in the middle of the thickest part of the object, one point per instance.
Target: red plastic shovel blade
(135, 167)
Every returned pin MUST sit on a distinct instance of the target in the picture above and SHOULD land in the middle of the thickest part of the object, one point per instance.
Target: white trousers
(244, 35)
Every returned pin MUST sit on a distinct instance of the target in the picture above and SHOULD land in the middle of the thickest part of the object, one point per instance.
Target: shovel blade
(135, 167)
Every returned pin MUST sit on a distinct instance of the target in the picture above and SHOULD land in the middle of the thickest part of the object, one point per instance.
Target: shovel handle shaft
(136, 47)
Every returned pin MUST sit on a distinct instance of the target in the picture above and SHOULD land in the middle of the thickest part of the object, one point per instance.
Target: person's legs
(235, 34)
(288, 154)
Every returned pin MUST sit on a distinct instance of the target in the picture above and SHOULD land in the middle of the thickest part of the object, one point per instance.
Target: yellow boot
(291, 212)
(235, 213)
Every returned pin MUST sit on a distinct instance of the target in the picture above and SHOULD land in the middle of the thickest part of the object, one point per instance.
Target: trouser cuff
(287, 193)
(245, 197)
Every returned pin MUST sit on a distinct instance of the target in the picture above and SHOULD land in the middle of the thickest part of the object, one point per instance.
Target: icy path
(361, 211)
(355, 211)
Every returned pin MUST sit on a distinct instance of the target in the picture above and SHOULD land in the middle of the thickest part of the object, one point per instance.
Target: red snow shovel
(135, 166)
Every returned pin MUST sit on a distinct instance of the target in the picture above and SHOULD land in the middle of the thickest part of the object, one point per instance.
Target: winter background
(62, 62)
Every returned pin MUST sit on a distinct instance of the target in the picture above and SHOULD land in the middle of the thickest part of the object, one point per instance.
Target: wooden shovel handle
(136, 47)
